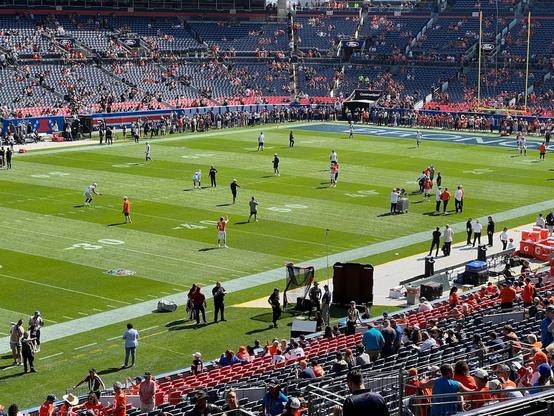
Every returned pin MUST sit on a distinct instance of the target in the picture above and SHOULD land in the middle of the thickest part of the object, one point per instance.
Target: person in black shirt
(362, 402)
(218, 293)
(212, 174)
(435, 242)
(291, 139)
(94, 382)
(234, 185)
(275, 306)
(28, 353)
(9, 153)
(315, 298)
(276, 165)
(201, 406)
(490, 230)
(469, 230)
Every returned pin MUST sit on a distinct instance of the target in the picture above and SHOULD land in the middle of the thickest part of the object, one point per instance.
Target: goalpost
(480, 60)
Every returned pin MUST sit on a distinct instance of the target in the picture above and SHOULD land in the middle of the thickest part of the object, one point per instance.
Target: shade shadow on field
(177, 322)
(13, 375)
(322, 187)
(432, 214)
(242, 222)
(116, 224)
(5, 357)
(110, 370)
(190, 326)
(267, 176)
(224, 205)
(79, 206)
(386, 214)
(208, 248)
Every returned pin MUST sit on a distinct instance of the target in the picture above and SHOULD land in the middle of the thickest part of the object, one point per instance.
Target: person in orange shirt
(528, 293)
(445, 197)
(507, 296)
(461, 375)
(127, 210)
(48, 407)
(454, 299)
(92, 404)
(120, 402)
(492, 289)
(481, 379)
(542, 151)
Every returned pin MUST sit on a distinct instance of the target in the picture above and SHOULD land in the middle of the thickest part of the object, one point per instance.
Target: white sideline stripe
(139, 299)
(62, 288)
(82, 313)
(85, 346)
(166, 293)
(111, 306)
(181, 136)
(97, 310)
(50, 320)
(50, 356)
(129, 312)
(152, 296)
(66, 317)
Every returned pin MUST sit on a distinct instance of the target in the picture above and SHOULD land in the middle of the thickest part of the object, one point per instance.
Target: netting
(298, 277)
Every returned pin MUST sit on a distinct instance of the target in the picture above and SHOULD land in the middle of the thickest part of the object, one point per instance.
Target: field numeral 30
(102, 243)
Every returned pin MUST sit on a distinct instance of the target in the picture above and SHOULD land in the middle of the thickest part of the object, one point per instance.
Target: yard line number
(100, 244)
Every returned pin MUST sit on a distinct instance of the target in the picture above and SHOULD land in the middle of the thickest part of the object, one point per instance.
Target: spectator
(292, 407)
(48, 407)
(427, 343)
(373, 341)
(317, 369)
(507, 296)
(503, 374)
(147, 393)
(232, 405)
(92, 404)
(130, 337)
(197, 365)
(389, 335)
(304, 371)
(295, 352)
(69, 400)
(340, 364)
(328, 332)
(545, 378)
(28, 353)
(362, 358)
(461, 374)
(481, 379)
(349, 358)
(228, 358)
(274, 400)
(442, 406)
(37, 322)
(362, 401)
(424, 305)
(120, 400)
(201, 406)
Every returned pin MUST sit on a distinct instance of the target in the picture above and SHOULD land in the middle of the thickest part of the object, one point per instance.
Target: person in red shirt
(120, 402)
(47, 408)
(127, 210)
(445, 197)
(461, 375)
(507, 296)
(528, 293)
(199, 304)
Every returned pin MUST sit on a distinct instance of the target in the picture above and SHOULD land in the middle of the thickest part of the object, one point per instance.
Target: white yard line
(85, 346)
(50, 356)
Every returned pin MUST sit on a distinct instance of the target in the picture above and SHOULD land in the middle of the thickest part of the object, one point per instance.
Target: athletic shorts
(221, 235)
(253, 212)
(88, 195)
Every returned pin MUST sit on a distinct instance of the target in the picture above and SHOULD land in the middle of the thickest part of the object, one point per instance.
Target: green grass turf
(42, 217)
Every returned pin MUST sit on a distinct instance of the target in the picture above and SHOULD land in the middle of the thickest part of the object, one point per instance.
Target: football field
(56, 253)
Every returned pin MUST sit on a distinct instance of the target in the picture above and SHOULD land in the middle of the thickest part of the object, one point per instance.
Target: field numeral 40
(100, 245)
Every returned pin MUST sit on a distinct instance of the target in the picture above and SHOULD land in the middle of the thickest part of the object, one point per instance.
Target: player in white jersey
(261, 141)
(197, 179)
(89, 191)
(147, 152)
(351, 125)
(333, 158)
(419, 136)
